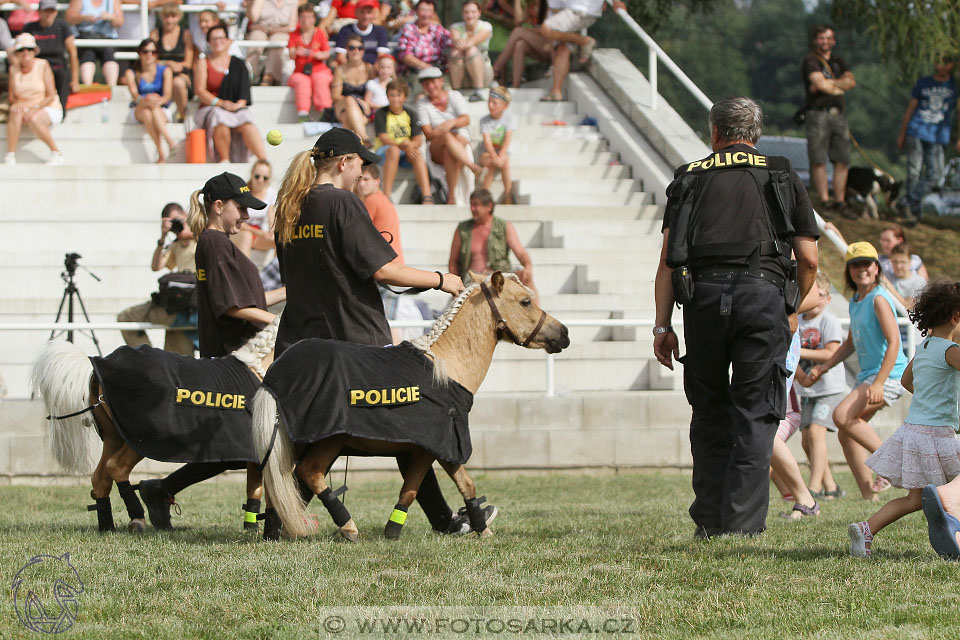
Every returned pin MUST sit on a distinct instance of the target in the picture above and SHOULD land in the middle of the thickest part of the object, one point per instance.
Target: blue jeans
(924, 170)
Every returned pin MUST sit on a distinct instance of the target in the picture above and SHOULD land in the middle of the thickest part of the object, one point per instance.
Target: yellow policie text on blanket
(376, 397)
(212, 399)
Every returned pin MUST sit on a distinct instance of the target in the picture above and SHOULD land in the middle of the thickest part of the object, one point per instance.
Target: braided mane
(441, 324)
(258, 347)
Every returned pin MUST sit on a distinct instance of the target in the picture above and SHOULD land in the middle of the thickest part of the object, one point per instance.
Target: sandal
(804, 511)
(426, 200)
(550, 97)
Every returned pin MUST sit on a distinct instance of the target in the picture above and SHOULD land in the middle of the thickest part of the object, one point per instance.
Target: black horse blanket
(176, 408)
(326, 387)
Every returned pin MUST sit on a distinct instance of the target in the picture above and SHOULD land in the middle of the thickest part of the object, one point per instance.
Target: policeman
(730, 224)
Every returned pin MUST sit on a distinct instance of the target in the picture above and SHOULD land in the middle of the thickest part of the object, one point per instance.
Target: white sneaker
(10, 158)
(56, 159)
(859, 539)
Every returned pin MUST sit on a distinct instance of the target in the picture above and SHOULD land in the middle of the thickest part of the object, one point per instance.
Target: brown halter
(502, 328)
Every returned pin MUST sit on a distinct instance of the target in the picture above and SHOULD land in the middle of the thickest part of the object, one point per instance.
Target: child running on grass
(497, 130)
(876, 339)
(923, 450)
(820, 336)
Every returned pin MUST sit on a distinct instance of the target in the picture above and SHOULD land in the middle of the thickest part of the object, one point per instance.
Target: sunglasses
(256, 177)
(354, 47)
(148, 52)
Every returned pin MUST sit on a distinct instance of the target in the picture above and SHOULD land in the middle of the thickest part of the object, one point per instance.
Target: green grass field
(598, 545)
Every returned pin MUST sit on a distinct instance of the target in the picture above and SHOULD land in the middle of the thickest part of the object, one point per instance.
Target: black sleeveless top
(177, 54)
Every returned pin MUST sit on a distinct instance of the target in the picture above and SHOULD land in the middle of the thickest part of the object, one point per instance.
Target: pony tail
(197, 216)
(297, 182)
(278, 480)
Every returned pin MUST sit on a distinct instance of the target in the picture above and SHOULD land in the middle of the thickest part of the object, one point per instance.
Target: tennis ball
(274, 137)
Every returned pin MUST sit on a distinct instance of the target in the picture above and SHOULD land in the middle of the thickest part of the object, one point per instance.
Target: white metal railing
(551, 390)
(654, 54)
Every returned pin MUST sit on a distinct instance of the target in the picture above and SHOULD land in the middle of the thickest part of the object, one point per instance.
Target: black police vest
(685, 206)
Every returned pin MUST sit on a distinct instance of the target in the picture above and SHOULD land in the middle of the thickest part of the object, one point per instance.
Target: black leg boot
(104, 514)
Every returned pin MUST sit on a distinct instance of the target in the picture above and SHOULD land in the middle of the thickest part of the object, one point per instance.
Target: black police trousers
(739, 321)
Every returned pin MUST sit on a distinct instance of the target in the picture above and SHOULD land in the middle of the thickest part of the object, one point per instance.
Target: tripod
(69, 293)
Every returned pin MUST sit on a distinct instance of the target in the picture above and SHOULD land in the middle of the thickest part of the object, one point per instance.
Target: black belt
(731, 272)
(837, 109)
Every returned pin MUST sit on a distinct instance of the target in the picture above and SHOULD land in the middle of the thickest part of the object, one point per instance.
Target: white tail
(278, 481)
(60, 375)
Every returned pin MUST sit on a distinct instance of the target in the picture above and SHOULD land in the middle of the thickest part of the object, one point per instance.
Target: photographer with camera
(175, 304)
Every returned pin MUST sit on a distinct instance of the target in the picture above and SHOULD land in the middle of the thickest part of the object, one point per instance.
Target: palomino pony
(66, 381)
(330, 417)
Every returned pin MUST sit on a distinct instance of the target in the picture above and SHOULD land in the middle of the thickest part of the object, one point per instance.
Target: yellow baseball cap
(857, 251)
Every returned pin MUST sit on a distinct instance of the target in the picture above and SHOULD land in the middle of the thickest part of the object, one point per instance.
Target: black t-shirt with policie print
(328, 270)
(225, 278)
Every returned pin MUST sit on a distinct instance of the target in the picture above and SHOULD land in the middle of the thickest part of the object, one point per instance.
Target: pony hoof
(349, 531)
(486, 533)
(137, 525)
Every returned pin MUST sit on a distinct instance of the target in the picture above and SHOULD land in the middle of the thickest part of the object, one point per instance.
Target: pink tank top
(30, 88)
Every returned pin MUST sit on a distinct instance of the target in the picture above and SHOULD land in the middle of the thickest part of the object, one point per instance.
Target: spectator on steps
(564, 28)
(56, 41)
(257, 233)
(375, 37)
(177, 51)
(311, 77)
(271, 20)
(97, 19)
(484, 242)
(206, 20)
(151, 88)
(228, 11)
(424, 43)
(470, 51)
(891, 236)
(523, 42)
(33, 99)
(497, 129)
(399, 141)
(444, 121)
(178, 256)
(376, 93)
(349, 89)
(223, 89)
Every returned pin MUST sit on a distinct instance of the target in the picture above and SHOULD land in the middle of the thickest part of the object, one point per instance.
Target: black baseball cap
(230, 186)
(340, 142)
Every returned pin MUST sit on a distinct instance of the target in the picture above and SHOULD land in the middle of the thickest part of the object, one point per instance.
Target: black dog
(863, 184)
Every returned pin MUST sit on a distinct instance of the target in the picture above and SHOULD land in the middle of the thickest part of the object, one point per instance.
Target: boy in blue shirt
(925, 131)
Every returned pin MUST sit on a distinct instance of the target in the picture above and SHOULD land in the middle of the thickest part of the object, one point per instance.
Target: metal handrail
(655, 53)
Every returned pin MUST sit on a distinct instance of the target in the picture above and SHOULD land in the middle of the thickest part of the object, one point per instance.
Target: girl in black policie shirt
(231, 309)
(331, 258)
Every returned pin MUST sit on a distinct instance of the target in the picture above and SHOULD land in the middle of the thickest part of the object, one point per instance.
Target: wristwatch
(658, 330)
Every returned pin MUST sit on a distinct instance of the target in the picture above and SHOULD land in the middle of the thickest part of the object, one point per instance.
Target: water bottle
(104, 111)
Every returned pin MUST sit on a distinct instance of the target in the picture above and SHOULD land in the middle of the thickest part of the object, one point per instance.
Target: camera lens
(176, 226)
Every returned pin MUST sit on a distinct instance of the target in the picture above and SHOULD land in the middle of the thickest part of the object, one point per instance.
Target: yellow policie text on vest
(395, 395)
(308, 231)
(727, 159)
(212, 399)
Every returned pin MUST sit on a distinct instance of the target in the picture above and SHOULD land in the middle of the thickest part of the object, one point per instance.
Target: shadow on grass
(794, 553)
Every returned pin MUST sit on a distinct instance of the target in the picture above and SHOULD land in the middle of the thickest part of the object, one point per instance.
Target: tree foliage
(909, 36)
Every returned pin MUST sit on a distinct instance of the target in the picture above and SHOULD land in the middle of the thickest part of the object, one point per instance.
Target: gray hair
(738, 118)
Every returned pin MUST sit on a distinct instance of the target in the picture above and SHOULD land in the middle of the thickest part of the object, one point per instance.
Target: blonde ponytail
(197, 216)
(300, 177)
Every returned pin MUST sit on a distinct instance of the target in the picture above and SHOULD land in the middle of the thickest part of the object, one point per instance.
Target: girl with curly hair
(923, 450)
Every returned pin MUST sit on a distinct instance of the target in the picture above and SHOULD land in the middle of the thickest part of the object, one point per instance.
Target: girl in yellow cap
(875, 337)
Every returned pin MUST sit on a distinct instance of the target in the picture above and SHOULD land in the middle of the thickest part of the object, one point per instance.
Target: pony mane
(258, 347)
(441, 324)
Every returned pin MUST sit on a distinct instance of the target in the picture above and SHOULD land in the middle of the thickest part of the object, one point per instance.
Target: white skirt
(917, 455)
